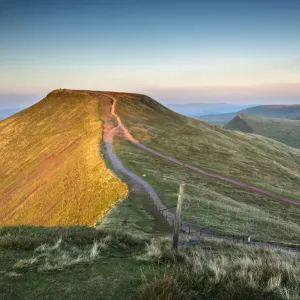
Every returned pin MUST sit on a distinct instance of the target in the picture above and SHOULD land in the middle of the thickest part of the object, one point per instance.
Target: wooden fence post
(178, 217)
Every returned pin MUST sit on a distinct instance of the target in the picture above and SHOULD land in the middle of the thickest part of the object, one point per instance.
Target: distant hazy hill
(271, 111)
(282, 130)
(196, 109)
(4, 113)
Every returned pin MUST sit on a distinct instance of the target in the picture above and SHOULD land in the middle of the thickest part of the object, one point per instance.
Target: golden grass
(51, 169)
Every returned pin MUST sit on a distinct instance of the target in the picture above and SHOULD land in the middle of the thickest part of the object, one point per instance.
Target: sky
(245, 52)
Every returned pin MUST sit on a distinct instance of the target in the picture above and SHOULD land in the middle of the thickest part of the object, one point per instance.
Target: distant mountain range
(197, 109)
(291, 112)
(282, 130)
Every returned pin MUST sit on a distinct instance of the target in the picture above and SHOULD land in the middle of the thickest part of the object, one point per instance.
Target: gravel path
(117, 165)
(196, 169)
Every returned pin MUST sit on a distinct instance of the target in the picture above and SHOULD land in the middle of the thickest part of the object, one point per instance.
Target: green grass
(249, 158)
(86, 263)
(220, 270)
(214, 204)
(282, 130)
(135, 214)
(89, 263)
(119, 260)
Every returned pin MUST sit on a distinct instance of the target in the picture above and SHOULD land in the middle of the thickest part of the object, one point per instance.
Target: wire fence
(198, 231)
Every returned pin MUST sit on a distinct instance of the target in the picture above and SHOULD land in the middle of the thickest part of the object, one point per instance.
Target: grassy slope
(250, 158)
(282, 130)
(68, 271)
(239, 123)
(274, 111)
(123, 269)
(51, 170)
(108, 264)
(215, 204)
(286, 112)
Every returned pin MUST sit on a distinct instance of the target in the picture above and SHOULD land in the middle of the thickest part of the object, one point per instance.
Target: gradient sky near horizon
(175, 51)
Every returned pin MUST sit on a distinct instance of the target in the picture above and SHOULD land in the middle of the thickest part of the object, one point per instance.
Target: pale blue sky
(176, 51)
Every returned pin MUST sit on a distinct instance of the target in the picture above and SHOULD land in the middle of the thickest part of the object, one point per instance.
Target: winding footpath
(196, 169)
(117, 164)
(169, 216)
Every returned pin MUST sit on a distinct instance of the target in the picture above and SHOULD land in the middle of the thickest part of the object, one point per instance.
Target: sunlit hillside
(52, 172)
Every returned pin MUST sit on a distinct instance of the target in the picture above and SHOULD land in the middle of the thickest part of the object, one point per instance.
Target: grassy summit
(282, 130)
(51, 169)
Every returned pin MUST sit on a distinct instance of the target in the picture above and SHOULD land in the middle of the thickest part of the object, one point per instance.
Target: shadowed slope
(51, 169)
(239, 123)
(282, 130)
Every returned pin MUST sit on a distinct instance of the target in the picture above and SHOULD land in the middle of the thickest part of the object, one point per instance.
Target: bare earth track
(116, 164)
(129, 137)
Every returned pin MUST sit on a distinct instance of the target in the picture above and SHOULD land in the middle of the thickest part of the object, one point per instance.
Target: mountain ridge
(283, 130)
(272, 111)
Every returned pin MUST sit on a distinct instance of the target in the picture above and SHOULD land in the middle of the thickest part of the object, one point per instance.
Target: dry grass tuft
(244, 272)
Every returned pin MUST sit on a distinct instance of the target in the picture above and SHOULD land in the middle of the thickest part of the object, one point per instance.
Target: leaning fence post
(178, 217)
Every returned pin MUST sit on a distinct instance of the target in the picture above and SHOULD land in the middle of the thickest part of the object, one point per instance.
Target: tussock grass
(51, 170)
(243, 272)
(29, 237)
(58, 249)
(110, 264)
(57, 257)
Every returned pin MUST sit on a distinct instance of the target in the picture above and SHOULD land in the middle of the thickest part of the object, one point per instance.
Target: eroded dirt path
(180, 163)
(119, 128)
(109, 132)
